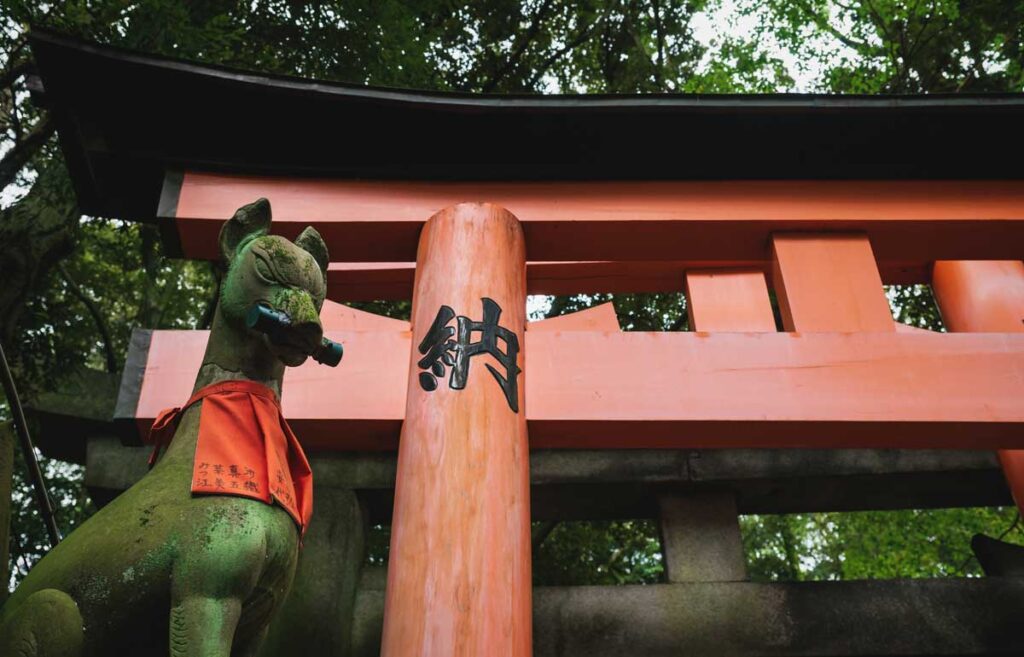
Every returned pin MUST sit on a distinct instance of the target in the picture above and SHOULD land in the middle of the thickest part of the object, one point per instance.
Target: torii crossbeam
(779, 216)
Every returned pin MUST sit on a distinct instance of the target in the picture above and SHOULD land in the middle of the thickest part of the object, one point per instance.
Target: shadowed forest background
(72, 287)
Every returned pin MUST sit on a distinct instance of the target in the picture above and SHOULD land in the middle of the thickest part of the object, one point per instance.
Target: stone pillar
(700, 537)
(316, 618)
(459, 566)
(6, 483)
(985, 295)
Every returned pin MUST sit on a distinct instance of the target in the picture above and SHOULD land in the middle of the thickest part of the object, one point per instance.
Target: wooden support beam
(700, 532)
(371, 281)
(339, 317)
(980, 296)
(459, 577)
(985, 296)
(728, 300)
(829, 282)
(671, 390)
(910, 222)
(601, 317)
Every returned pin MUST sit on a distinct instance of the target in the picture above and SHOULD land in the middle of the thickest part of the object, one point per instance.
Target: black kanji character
(438, 348)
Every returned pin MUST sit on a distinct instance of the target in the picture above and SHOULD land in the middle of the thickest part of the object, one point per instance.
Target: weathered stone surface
(700, 537)
(595, 484)
(316, 617)
(6, 472)
(897, 617)
(110, 467)
(79, 406)
(159, 566)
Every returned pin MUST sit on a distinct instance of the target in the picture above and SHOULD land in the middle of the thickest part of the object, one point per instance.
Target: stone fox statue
(162, 570)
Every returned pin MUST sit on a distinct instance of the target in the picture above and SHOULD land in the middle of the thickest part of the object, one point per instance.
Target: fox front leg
(210, 581)
(203, 626)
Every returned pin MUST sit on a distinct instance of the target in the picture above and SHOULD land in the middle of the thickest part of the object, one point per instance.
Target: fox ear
(309, 240)
(249, 221)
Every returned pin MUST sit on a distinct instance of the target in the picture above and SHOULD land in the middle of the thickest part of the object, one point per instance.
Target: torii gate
(841, 374)
(479, 238)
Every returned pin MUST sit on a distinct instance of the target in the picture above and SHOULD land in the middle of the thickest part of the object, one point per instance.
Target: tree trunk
(35, 233)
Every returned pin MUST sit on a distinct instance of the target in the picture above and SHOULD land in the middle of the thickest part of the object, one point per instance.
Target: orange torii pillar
(985, 295)
(459, 578)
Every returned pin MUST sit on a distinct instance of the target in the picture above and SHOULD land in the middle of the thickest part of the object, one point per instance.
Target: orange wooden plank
(601, 317)
(985, 296)
(459, 577)
(728, 300)
(369, 395)
(370, 281)
(679, 390)
(904, 328)
(980, 296)
(828, 282)
(339, 317)
(912, 222)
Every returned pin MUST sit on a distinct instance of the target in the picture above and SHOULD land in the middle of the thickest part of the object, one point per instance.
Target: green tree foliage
(900, 46)
(871, 544)
(605, 552)
(74, 287)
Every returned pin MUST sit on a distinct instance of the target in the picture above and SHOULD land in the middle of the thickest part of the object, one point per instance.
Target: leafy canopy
(74, 286)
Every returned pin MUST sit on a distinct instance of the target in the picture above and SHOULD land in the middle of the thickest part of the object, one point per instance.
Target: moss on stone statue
(158, 562)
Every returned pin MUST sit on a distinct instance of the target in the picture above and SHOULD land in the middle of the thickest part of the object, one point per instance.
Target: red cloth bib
(244, 448)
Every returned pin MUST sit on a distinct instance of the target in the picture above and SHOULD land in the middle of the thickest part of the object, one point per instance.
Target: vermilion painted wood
(339, 317)
(904, 328)
(674, 390)
(981, 296)
(910, 222)
(369, 281)
(459, 579)
(358, 405)
(728, 300)
(985, 296)
(828, 282)
(599, 318)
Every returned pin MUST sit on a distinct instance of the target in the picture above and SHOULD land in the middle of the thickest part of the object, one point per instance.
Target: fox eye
(263, 271)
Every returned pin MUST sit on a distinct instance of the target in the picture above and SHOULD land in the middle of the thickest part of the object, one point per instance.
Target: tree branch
(97, 317)
(24, 150)
(660, 33)
(561, 52)
(11, 74)
(515, 57)
(822, 23)
(896, 48)
(540, 534)
(148, 244)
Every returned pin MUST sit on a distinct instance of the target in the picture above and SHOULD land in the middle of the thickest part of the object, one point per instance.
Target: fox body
(160, 571)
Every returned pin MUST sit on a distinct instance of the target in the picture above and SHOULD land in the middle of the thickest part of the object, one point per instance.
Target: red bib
(244, 448)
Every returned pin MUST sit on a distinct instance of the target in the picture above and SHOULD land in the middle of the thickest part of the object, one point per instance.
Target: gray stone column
(700, 536)
(316, 618)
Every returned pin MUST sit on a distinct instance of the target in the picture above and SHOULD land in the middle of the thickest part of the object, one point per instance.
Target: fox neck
(234, 353)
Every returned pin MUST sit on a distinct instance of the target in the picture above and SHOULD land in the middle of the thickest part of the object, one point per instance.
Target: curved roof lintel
(125, 118)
